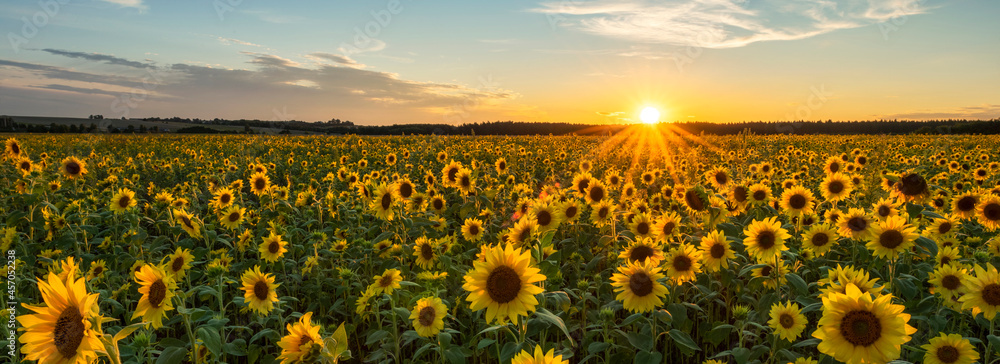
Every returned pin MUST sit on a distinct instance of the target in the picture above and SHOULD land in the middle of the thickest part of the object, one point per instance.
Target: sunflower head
(503, 282)
(638, 286)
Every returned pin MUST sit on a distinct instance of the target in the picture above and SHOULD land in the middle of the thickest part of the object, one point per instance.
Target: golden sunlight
(649, 115)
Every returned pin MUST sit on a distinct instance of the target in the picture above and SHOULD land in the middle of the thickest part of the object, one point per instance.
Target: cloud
(309, 91)
(721, 23)
(336, 58)
(138, 4)
(230, 41)
(977, 112)
(104, 58)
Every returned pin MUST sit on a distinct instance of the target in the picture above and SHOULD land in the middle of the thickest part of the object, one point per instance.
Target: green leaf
(640, 340)
(555, 320)
(797, 283)
(597, 347)
(719, 334)
(928, 244)
(645, 357)
(684, 340)
(742, 355)
(455, 355)
(995, 341)
(211, 339)
(484, 343)
(172, 355)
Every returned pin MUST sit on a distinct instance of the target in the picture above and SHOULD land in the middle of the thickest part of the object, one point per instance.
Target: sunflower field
(645, 247)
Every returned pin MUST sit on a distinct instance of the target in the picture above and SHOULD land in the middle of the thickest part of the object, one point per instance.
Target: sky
(454, 62)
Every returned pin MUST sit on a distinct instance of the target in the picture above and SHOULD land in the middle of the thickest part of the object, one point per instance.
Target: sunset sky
(385, 62)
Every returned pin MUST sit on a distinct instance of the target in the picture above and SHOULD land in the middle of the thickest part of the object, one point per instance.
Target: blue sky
(455, 62)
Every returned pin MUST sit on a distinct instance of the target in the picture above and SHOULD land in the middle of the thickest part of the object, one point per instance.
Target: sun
(649, 115)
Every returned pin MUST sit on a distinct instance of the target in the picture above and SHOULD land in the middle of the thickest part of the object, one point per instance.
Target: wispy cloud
(721, 23)
(138, 4)
(103, 58)
(979, 112)
(230, 41)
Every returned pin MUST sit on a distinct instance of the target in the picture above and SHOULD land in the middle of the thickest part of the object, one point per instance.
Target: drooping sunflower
(472, 229)
(641, 226)
(949, 349)
(60, 331)
(179, 262)
(188, 223)
(820, 238)
(301, 338)
(157, 289)
(696, 200)
(787, 320)
(272, 247)
(948, 280)
(387, 282)
(988, 212)
(765, 239)
(122, 200)
(638, 286)
(891, 237)
(667, 227)
(715, 251)
(259, 183)
(947, 255)
(72, 167)
(642, 250)
(425, 252)
(538, 357)
(683, 263)
(259, 290)
(857, 327)
(836, 187)
(911, 187)
(983, 291)
(428, 316)
(503, 282)
(855, 224)
(797, 201)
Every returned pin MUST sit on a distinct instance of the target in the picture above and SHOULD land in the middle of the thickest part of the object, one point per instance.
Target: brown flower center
(797, 201)
(473, 229)
(717, 251)
(740, 194)
(966, 203)
(73, 168)
(642, 228)
(944, 228)
(765, 240)
(98, 270)
(890, 239)
(947, 354)
(438, 204)
(157, 292)
(426, 316)
(640, 253)
(694, 201)
(177, 264)
(884, 211)
(386, 201)
(759, 195)
(596, 193)
(640, 284)
(912, 184)
(261, 290)
(991, 294)
(571, 211)
(857, 224)
(951, 282)
(273, 247)
(503, 284)
(543, 218)
(405, 190)
(721, 178)
(68, 333)
(603, 212)
(861, 328)
(123, 201)
(992, 211)
(836, 187)
(259, 184)
(786, 320)
(225, 198)
(452, 173)
(820, 239)
(682, 263)
(426, 251)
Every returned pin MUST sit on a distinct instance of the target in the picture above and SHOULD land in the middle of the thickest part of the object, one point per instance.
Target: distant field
(102, 124)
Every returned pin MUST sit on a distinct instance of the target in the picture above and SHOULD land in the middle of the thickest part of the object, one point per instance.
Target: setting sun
(649, 115)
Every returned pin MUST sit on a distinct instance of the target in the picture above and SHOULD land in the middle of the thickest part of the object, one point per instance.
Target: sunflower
(891, 237)
(300, 341)
(819, 239)
(855, 224)
(858, 328)
(944, 227)
(832, 165)
(522, 231)
(602, 214)
(72, 167)
(122, 200)
(760, 194)
(259, 290)
(13, 148)
(179, 262)
(581, 183)
(988, 212)
(983, 291)
(950, 349)
(948, 280)
(683, 263)
(774, 274)
(272, 247)
(719, 178)
(797, 201)
(787, 321)
(840, 277)
(638, 286)
(642, 250)
(947, 255)
(501, 166)
(223, 198)
(472, 230)
(628, 191)
(438, 204)
(449, 173)
(24, 165)
(259, 183)
(188, 223)
(836, 187)
(428, 316)
(424, 250)
(60, 331)
(97, 269)
(503, 282)
(596, 192)
(910, 187)
(885, 208)
(538, 357)
(667, 227)
(157, 289)
(715, 251)
(544, 215)
(765, 239)
(641, 226)
(388, 281)
(695, 200)
(568, 211)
